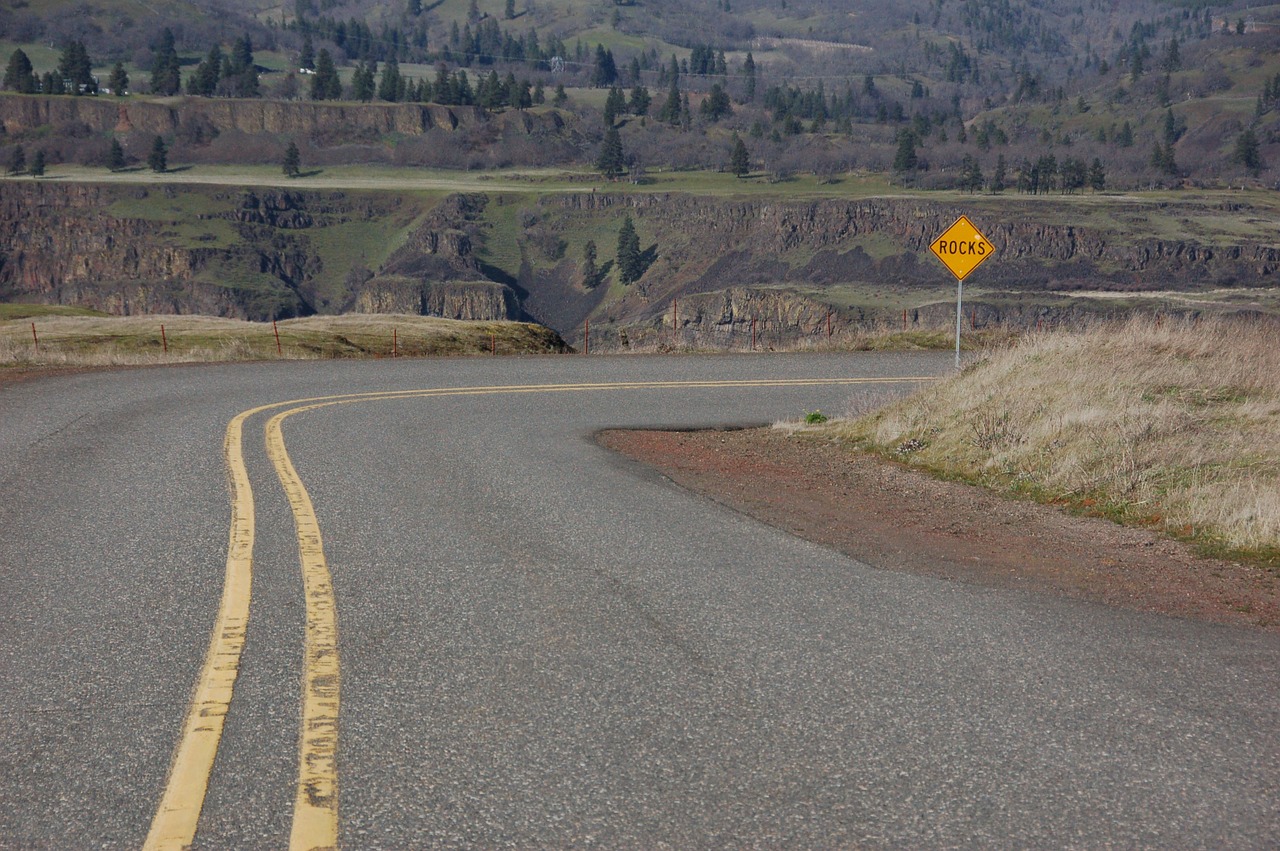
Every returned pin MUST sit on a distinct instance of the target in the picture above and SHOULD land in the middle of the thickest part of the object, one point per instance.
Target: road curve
(541, 644)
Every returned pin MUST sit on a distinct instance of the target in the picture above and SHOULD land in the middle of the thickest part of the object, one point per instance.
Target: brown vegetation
(1169, 424)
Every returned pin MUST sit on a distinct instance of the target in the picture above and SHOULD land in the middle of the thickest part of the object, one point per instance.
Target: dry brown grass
(93, 341)
(1169, 424)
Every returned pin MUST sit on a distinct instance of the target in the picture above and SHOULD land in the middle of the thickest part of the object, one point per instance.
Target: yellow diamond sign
(962, 247)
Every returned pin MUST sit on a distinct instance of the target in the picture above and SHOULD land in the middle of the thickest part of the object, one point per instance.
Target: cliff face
(472, 301)
(333, 123)
(251, 254)
(757, 234)
(268, 253)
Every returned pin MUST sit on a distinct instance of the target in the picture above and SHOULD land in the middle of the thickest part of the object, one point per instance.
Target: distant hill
(941, 94)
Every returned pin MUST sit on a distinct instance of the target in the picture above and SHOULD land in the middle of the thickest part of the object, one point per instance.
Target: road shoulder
(895, 518)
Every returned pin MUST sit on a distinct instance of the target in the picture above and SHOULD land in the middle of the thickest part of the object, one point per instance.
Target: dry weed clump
(1172, 424)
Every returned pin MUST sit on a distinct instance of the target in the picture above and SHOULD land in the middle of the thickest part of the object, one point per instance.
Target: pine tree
(589, 270)
(19, 76)
(392, 85)
(612, 161)
(628, 256)
(115, 159)
(561, 97)
(292, 160)
(325, 85)
(614, 105)
(119, 80)
(166, 78)
(307, 59)
(204, 81)
(158, 159)
(739, 158)
(76, 67)
(510, 12)
(362, 81)
(749, 71)
(37, 163)
(1247, 152)
(905, 159)
(999, 177)
(1097, 175)
(18, 160)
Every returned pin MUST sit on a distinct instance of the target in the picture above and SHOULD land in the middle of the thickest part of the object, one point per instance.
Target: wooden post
(35, 339)
(395, 344)
(164, 341)
(586, 336)
(279, 351)
(753, 333)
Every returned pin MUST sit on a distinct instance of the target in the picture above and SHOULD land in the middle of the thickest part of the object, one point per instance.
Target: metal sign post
(961, 248)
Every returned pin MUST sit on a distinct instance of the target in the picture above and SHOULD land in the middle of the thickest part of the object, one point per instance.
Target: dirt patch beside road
(895, 518)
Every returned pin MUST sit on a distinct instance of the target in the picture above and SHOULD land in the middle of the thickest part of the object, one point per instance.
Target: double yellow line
(315, 813)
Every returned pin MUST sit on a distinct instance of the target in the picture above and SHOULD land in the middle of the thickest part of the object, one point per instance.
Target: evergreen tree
(76, 67)
(739, 158)
(539, 95)
(612, 161)
(640, 101)
(1125, 137)
(18, 160)
(362, 81)
(905, 159)
(749, 72)
(392, 84)
(999, 177)
(37, 163)
(204, 81)
(1247, 152)
(19, 76)
(614, 105)
(560, 98)
(166, 78)
(589, 270)
(716, 105)
(307, 59)
(241, 55)
(629, 259)
(119, 80)
(115, 158)
(510, 12)
(970, 174)
(1097, 175)
(325, 85)
(292, 160)
(1162, 159)
(158, 159)
(605, 72)
(670, 110)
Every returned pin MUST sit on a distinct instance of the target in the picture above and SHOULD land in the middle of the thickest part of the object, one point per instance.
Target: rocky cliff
(273, 253)
(26, 113)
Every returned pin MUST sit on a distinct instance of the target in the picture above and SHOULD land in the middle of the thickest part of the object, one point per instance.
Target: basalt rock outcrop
(334, 122)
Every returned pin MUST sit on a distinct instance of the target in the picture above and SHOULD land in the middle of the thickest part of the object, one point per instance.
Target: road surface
(535, 643)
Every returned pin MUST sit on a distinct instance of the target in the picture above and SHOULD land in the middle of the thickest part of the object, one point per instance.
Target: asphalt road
(544, 645)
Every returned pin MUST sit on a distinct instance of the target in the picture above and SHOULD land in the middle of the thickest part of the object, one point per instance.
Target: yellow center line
(315, 821)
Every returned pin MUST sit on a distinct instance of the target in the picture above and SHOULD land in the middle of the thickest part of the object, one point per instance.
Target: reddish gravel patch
(895, 518)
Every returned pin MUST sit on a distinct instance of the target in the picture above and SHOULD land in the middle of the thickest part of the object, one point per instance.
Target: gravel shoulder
(894, 518)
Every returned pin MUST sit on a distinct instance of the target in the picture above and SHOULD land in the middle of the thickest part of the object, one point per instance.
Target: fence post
(164, 341)
(586, 336)
(276, 330)
(34, 338)
(395, 344)
(753, 333)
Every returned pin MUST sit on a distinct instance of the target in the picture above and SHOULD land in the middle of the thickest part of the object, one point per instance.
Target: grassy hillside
(1169, 425)
(77, 340)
